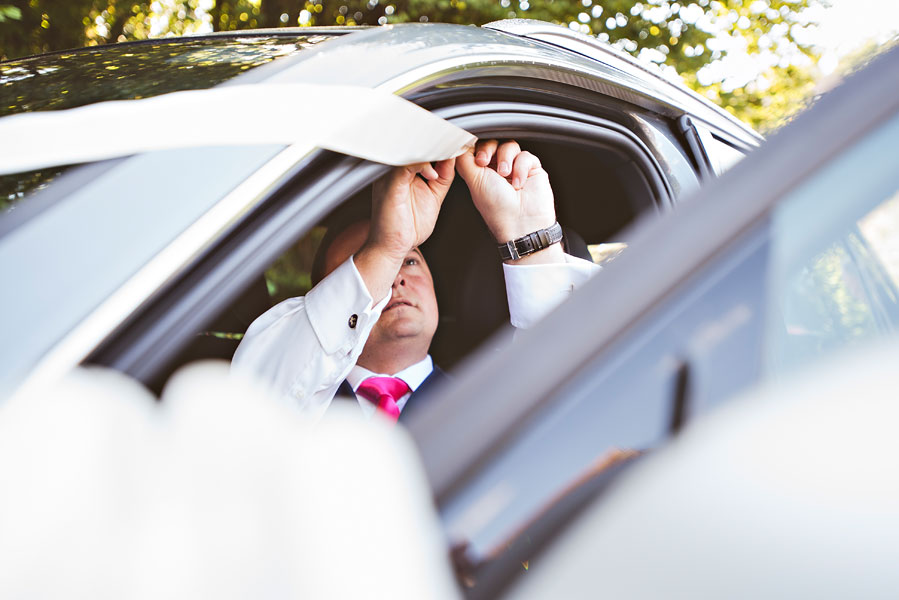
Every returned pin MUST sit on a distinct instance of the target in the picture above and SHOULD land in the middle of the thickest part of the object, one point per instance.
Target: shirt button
(353, 320)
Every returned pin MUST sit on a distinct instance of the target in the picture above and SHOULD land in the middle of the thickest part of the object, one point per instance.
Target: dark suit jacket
(418, 398)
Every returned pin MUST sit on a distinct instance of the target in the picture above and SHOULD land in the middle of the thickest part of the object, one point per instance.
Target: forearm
(304, 347)
(378, 268)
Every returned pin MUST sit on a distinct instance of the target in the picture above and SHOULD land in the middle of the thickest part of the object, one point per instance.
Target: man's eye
(411, 261)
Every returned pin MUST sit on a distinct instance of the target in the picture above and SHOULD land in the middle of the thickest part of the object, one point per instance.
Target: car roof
(394, 55)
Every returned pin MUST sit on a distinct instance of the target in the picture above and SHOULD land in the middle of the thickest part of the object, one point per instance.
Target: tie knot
(384, 392)
(375, 387)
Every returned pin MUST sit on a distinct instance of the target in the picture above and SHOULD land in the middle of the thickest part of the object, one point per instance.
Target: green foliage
(290, 275)
(7, 12)
(767, 102)
(682, 37)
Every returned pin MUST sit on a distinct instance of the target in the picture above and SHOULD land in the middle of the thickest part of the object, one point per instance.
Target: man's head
(409, 321)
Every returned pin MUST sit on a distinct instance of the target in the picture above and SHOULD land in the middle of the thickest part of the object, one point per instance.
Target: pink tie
(384, 392)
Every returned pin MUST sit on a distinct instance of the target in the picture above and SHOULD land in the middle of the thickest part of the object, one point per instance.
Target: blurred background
(762, 60)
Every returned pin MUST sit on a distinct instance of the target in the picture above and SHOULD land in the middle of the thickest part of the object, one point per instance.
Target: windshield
(126, 71)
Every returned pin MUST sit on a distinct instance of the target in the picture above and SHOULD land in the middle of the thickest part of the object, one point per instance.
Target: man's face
(411, 314)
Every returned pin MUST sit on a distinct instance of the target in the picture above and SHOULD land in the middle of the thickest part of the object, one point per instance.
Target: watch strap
(530, 243)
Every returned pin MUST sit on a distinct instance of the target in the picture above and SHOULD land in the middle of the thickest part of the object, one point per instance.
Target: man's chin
(394, 325)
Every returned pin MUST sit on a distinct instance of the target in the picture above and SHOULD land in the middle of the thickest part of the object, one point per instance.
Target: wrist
(385, 251)
(378, 269)
(508, 232)
(512, 251)
(552, 255)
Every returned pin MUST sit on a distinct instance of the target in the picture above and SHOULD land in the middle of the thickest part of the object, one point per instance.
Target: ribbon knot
(384, 393)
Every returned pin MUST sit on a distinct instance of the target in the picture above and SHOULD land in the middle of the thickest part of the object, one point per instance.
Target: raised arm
(404, 212)
(511, 191)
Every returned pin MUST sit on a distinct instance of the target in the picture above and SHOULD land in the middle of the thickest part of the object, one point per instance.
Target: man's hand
(511, 191)
(405, 206)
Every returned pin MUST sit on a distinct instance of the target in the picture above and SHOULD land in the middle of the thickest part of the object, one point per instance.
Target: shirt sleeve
(534, 290)
(304, 347)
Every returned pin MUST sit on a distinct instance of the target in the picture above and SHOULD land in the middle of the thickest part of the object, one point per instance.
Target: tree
(683, 38)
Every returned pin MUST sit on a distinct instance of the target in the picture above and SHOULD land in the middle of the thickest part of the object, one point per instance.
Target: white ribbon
(362, 122)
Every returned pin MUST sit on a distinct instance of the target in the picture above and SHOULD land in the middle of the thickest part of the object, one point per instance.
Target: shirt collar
(413, 375)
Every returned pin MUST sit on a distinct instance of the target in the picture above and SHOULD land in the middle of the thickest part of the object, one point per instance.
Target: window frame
(143, 345)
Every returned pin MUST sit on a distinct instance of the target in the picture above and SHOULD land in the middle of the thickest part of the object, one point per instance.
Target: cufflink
(353, 320)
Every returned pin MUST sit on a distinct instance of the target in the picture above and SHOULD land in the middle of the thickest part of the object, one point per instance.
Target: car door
(701, 306)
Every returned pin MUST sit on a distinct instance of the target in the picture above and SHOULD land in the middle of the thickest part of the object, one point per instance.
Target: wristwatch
(530, 243)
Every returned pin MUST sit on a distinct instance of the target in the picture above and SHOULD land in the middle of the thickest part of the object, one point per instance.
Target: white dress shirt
(305, 347)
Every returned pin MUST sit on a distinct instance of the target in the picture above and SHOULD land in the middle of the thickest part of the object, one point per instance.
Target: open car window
(599, 189)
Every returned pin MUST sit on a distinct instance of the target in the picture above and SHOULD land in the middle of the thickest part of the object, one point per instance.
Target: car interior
(461, 253)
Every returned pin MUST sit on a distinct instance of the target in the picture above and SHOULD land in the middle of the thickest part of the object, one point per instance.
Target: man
(370, 321)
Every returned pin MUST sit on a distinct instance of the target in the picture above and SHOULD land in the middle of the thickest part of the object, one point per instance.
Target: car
(152, 241)
(788, 491)
(207, 222)
(790, 258)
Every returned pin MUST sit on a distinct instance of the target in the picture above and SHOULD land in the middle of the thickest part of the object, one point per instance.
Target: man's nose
(398, 280)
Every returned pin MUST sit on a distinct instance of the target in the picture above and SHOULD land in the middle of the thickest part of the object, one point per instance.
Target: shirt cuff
(534, 290)
(340, 309)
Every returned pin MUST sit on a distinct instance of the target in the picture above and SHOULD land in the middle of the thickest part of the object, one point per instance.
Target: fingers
(524, 165)
(502, 155)
(446, 170)
(442, 171)
(505, 157)
(426, 170)
(484, 152)
(468, 165)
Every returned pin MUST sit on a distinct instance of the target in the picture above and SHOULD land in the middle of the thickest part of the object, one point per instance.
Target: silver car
(145, 257)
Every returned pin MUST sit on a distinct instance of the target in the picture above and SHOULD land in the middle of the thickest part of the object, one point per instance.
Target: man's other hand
(511, 191)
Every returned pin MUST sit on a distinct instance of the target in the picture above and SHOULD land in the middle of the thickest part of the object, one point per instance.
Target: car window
(835, 257)
(102, 234)
(722, 155)
(470, 287)
(119, 72)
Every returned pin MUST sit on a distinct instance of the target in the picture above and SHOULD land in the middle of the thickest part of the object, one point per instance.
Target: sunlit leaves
(9, 13)
(684, 38)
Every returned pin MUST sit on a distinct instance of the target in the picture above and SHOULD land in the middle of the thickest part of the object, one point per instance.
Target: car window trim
(694, 144)
(143, 348)
(528, 120)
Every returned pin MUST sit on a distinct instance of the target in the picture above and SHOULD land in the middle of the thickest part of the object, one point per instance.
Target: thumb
(467, 167)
